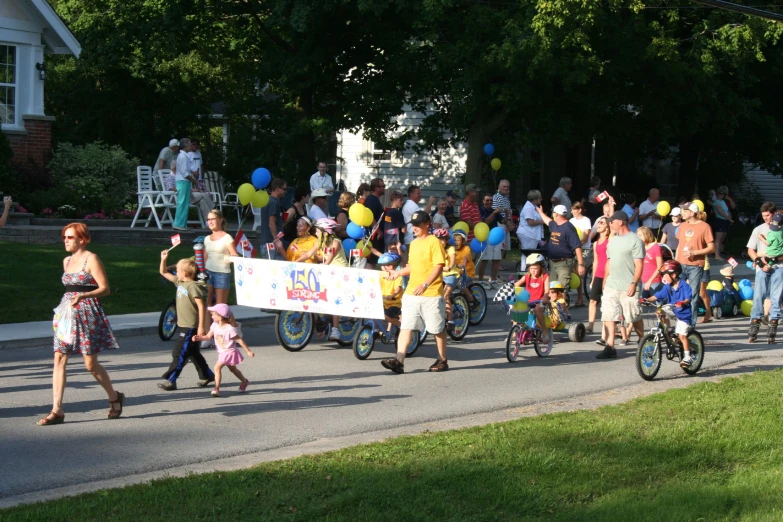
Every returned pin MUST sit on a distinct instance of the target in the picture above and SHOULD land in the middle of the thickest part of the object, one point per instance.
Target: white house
(29, 30)
(435, 172)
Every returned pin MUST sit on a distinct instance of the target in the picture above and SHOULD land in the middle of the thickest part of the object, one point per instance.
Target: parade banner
(326, 289)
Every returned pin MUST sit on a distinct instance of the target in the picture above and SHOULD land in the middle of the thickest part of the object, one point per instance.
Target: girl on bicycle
(536, 282)
(463, 259)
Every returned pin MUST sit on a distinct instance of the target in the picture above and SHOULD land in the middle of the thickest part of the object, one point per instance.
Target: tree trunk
(480, 132)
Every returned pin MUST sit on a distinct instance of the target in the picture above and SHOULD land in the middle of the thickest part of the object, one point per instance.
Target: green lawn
(708, 452)
(32, 288)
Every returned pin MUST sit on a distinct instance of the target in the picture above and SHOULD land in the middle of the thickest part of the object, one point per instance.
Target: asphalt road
(319, 393)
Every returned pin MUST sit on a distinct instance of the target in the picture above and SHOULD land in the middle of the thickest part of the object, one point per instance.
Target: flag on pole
(175, 240)
(243, 245)
(733, 262)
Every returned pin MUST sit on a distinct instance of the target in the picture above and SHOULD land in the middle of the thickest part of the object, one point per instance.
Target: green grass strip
(709, 452)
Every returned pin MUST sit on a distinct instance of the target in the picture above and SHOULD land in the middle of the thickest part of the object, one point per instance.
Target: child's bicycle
(526, 331)
(477, 307)
(460, 312)
(295, 329)
(662, 339)
(167, 324)
(374, 329)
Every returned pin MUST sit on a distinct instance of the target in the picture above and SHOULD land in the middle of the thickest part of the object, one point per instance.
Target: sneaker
(168, 386)
(215, 393)
(687, 362)
(181, 229)
(450, 326)
(601, 342)
(393, 365)
(334, 334)
(608, 353)
(243, 386)
(439, 366)
(205, 382)
(589, 328)
(486, 284)
(626, 342)
(493, 283)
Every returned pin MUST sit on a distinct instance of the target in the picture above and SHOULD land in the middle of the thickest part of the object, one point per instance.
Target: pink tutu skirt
(230, 357)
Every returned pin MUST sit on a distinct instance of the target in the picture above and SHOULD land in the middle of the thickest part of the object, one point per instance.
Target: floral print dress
(92, 332)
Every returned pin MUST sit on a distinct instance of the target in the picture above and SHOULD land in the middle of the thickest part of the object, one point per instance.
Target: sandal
(113, 412)
(51, 419)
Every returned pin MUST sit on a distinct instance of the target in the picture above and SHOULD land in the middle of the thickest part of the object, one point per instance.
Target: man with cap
(695, 243)
(622, 274)
(451, 199)
(469, 210)
(563, 246)
(318, 209)
(164, 158)
(422, 304)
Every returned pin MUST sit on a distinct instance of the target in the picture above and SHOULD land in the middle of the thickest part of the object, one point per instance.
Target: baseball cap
(693, 207)
(560, 209)
(777, 222)
(174, 143)
(676, 211)
(419, 218)
(318, 193)
(727, 271)
(452, 194)
(619, 216)
(221, 309)
(470, 187)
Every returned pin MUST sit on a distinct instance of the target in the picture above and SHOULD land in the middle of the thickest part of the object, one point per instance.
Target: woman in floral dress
(85, 283)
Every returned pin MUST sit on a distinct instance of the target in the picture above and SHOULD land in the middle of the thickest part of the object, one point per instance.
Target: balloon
(481, 231)
(746, 308)
(368, 217)
(523, 296)
(496, 163)
(663, 208)
(245, 193)
(348, 245)
(746, 292)
(735, 286)
(356, 213)
(715, 285)
(489, 149)
(461, 225)
(520, 307)
(750, 264)
(700, 204)
(745, 282)
(478, 246)
(260, 199)
(574, 283)
(364, 246)
(354, 231)
(496, 236)
(261, 178)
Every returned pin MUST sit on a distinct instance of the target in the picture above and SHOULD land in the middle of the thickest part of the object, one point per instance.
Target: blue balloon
(261, 178)
(746, 292)
(489, 149)
(354, 231)
(523, 296)
(496, 236)
(348, 245)
(478, 246)
(745, 282)
(750, 264)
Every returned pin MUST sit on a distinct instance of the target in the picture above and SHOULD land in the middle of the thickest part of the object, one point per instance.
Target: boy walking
(191, 320)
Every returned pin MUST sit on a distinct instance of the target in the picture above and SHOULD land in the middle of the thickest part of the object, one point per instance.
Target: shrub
(93, 177)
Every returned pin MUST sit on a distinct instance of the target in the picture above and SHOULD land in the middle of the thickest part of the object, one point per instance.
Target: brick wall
(32, 151)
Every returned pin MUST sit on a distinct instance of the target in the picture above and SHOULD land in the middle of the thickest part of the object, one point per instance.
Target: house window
(381, 155)
(7, 84)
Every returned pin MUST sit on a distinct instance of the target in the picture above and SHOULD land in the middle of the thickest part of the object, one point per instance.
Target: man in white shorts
(422, 304)
(620, 299)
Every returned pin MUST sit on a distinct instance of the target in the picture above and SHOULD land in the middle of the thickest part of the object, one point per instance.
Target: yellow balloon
(736, 287)
(364, 247)
(356, 213)
(260, 199)
(520, 307)
(496, 164)
(715, 285)
(574, 283)
(481, 231)
(368, 217)
(461, 225)
(663, 208)
(746, 307)
(245, 193)
(700, 204)
(518, 290)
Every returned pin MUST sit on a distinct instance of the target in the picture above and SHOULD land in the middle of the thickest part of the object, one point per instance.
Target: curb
(138, 331)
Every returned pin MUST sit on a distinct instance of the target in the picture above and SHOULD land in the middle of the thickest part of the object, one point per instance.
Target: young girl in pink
(226, 340)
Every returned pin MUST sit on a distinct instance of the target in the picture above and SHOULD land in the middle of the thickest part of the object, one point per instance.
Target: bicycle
(373, 330)
(167, 324)
(295, 329)
(526, 331)
(649, 355)
(460, 311)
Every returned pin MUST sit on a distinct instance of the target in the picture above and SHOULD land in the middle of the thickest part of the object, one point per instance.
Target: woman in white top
(217, 247)
(439, 219)
(583, 226)
(531, 227)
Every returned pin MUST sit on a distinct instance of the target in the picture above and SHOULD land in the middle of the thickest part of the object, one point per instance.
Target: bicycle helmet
(389, 258)
(556, 285)
(326, 224)
(441, 233)
(461, 233)
(535, 259)
(671, 267)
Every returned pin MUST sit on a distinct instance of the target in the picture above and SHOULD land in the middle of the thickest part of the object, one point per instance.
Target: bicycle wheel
(294, 329)
(543, 349)
(414, 344)
(696, 347)
(648, 357)
(348, 327)
(423, 336)
(512, 343)
(460, 315)
(167, 324)
(479, 309)
(364, 342)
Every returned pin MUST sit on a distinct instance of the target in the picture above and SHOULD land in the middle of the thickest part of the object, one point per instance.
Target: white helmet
(534, 259)
(326, 224)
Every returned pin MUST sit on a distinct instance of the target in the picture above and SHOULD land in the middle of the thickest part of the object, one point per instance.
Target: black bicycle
(662, 340)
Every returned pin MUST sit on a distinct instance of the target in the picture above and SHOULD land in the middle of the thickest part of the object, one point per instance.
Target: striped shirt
(501, 201)
(469, 211)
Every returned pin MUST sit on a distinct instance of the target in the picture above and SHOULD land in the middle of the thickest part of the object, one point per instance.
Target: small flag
(175, 240)
(243, 245)
(280, 235)
(270, 246)
(356, 253)
(602, 196)
(732, 262)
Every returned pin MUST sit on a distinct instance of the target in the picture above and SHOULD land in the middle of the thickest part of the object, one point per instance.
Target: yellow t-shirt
(424, 254)
(453, 271)
(464, 256)
(390, 288)
(299, 246)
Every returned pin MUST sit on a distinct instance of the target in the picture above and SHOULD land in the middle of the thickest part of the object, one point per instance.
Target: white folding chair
(147, 196)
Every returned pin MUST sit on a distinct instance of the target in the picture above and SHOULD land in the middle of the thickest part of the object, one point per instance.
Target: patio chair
(223, 199)
(148, 197)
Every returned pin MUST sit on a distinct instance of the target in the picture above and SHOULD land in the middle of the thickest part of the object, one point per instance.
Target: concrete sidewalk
(38, 333)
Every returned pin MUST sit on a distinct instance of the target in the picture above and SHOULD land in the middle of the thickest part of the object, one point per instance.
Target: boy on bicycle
(679, 294)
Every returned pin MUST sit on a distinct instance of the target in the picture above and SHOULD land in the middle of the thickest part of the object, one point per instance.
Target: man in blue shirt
(678, 294)
(564, 244)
